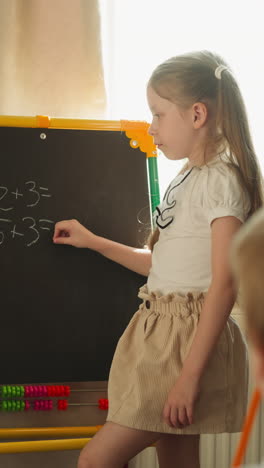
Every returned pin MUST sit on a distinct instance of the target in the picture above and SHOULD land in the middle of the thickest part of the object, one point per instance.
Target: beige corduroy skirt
(149, 358)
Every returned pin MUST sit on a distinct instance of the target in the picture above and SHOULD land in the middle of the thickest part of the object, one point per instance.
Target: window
(139, 34)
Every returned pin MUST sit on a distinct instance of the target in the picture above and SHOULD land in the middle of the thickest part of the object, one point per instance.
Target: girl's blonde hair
(247, 259)
(190, 78)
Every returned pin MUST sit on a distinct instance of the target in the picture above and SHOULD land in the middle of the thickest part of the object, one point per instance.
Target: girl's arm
(219, 299)
(178, 409)
(73, 233)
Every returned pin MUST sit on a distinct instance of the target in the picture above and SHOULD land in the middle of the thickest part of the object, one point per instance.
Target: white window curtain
(50, 59)
(139, 34)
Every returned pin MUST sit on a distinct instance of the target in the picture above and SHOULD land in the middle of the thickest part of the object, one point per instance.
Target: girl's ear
(199, 114)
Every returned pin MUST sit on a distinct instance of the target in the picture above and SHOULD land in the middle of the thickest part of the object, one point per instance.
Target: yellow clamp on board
(139, 136)
(42, 121)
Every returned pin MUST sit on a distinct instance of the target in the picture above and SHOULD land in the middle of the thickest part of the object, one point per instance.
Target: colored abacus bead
(27, 405)
(103, 403)
(62, 405)
(16, 406)
(50, 390)
(28, 391)
(12, 405)
(23, 405)
(3, 406)
(8, 391)
(19, 391)
(43, 405)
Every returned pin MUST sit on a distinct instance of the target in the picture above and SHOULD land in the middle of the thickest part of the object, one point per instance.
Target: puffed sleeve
(223, 194)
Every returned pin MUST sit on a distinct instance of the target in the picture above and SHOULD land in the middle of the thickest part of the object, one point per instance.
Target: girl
(180, 368)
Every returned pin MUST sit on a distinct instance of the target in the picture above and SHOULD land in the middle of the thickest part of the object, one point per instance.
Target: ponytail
(232, 121)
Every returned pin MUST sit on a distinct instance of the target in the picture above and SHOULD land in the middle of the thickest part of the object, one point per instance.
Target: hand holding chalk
(71, 232)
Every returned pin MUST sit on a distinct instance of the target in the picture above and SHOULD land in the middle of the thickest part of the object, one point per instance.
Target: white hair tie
(219, 70)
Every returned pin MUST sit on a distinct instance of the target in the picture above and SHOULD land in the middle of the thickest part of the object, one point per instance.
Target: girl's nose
(151, 130)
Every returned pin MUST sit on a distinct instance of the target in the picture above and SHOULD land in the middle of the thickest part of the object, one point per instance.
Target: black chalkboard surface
(62, 308)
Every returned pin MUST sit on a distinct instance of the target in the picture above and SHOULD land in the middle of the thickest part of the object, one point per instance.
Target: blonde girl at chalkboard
(181, 369)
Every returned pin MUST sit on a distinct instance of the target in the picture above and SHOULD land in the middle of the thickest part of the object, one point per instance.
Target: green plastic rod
(153, 182)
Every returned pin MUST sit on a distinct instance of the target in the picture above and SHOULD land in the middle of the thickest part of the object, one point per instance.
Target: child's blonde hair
(247, 258)
(190, 78)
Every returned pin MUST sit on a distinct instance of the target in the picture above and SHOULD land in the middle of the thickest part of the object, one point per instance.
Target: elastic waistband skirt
(150, 356)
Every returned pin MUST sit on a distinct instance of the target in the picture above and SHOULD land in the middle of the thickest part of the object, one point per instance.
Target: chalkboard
(63, 309)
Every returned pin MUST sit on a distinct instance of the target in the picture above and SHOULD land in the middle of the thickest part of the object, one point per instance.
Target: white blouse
(181, 259)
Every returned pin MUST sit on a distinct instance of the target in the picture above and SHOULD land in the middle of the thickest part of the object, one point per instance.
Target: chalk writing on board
(31, 192)
(26, 227)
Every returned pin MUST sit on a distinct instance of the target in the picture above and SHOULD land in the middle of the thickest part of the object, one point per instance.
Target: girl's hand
(179, 407)
(71, 232)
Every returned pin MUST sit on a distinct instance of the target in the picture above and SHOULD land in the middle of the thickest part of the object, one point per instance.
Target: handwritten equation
(27, 227)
